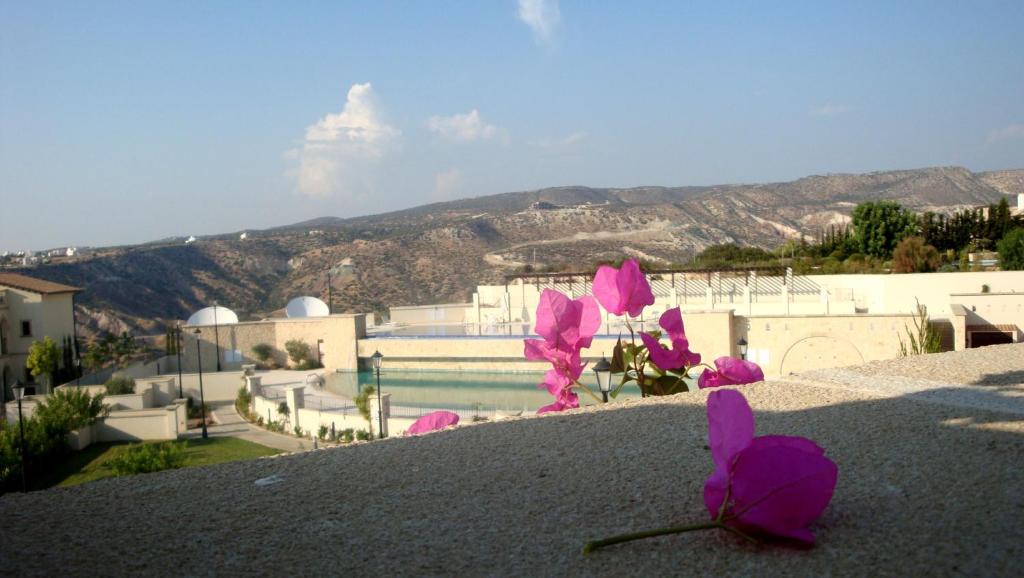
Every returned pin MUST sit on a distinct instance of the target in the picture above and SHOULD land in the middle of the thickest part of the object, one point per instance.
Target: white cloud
(446, 183)
(340, 147)
(1013, 131)
(541, 16)
(462, 127)
(562, 143)
(830, 109)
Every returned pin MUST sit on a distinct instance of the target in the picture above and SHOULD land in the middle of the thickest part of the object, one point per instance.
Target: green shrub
(243, 402)
(322, 432)
(120, 384)
(147, 458)
(262, 352)
(68, 409)
(363, 435)
(298, 351)
(347, 435)
(298, 432)
(193, 409)
(283, 410)
(362, 401)
(307, 364)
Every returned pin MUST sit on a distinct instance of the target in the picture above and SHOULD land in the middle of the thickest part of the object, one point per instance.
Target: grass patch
(92, 463)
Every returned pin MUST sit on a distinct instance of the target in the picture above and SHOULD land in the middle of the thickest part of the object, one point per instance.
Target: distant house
(243, 236)
(71, 251)
(191, 239)
(30, 310)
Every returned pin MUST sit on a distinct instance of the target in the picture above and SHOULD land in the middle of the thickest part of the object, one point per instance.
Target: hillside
(440, 252)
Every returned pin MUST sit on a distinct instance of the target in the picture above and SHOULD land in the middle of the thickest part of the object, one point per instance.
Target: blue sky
(123, 122)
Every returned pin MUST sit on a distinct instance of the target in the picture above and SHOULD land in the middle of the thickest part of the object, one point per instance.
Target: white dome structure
(306, 307)
(213, 316)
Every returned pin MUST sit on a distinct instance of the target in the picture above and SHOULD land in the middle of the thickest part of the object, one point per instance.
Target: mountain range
(440, 252)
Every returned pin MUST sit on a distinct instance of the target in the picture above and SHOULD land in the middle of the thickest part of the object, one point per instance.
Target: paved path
(230, 424)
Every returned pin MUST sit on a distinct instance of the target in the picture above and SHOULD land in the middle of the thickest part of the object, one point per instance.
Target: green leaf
(617, 363)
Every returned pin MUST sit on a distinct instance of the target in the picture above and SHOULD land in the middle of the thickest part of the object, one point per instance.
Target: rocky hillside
(440, 252)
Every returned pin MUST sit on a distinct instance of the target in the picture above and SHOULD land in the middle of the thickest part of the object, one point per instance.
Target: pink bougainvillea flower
(566, 366)
(680, 355)
(567, 323)
(565, 399)
(623, 290)
(432, 421)
(730, 371)
(775, 485)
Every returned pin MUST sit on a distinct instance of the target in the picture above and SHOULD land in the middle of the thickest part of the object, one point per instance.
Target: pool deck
(930, 483)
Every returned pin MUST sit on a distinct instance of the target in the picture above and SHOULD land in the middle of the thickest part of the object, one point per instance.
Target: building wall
(790, 344)
(444, 313)
(49, 315)
(338, 350)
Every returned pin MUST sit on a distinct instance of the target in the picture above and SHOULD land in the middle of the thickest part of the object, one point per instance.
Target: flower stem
(578, 385)
(594, 545)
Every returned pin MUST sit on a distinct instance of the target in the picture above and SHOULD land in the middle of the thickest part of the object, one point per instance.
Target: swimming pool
(418, 392)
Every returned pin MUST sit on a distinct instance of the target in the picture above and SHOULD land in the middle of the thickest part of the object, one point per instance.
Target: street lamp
(603, 371)
(19, 393)
(319, 361)
(216, 334)
(202, 398)
(377, 358)
(742, 344)
(177, 349)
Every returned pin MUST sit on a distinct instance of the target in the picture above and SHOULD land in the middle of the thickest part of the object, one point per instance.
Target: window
(26, 329)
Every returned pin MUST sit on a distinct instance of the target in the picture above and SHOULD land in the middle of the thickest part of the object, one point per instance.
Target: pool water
(460, 391)
(491, 330)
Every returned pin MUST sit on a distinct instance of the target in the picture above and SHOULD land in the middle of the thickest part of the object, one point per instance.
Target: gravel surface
(926, 487)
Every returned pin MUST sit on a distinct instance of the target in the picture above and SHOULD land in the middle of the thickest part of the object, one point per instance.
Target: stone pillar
(385, 400)
(476, 307)
(295, 399)
(709, 297)
(254, 385)
(823, 295)
(785, 299)
(673, 298)
(746, 299)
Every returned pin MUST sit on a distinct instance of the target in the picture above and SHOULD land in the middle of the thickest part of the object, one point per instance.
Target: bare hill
(440, 252)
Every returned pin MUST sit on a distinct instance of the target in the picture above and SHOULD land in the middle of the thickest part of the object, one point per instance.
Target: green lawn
(90, 464)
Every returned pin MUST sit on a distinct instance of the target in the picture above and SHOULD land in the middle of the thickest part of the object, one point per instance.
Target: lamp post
(330, 297)
(202, 398)
(177, 349)
(216, 335)
(319, 361)
(377, 358)
(742, 344)
(19, 392)
(603, 371)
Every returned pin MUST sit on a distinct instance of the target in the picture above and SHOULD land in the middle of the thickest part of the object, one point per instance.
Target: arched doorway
(818, 352)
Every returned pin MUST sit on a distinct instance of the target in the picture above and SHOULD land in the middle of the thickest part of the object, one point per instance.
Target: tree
(1011, 250)
(110, 349)
(362, 401)
(297, 350)
(262, 352)
(878, 226)
(912, 255)
(42, 359)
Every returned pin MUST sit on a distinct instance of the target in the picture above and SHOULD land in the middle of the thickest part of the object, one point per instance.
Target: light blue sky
(122, 122)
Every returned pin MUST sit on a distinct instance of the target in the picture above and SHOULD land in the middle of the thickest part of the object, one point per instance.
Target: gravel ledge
(926, 487)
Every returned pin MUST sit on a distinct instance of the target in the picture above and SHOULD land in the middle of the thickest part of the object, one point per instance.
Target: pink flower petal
(624, 290)
(731, 371)
(606, 289)
(730, 431)
(778, 487)
(432, 421)
(663, 358)
(634, 287)
(672, 322)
